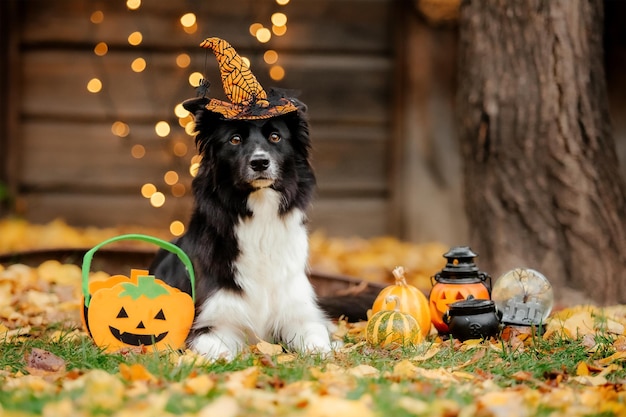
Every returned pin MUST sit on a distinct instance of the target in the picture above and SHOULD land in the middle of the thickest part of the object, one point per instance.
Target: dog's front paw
(214, 346)
(313, 338)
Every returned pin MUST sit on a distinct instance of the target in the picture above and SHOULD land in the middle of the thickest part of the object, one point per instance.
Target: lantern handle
(168, 246)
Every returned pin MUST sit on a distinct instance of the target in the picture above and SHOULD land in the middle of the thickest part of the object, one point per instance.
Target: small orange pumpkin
(139, 310)
(392, 327)
(410, 301)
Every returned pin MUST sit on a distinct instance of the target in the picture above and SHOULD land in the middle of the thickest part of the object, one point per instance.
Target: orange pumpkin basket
(139, 310)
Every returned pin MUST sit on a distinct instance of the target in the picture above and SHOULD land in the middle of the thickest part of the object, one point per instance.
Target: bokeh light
(148, 189)
(133, 4)
(170, 177)
(120, 129)
(157, 199)
(178, 190)
(94, 85)
(138, 64)
(188, 20)
(138, 151)
(135, 38)
(277, 73)
(183, 60)
(254, 28)
(162, 128)
(279, 30)
(101, 49)
(180, 111)
(194, 79)
(180, 149)
(263, 35)
(282, 2)
(97, 17)
(270, 56)
(279, 19)
(177, 228)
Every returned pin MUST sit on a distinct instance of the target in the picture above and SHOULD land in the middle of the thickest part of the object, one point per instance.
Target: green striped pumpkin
(392, 327)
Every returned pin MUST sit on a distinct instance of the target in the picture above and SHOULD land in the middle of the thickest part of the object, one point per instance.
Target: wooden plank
(86, 156)
(354, 89)
(313, 25)
(336, 217)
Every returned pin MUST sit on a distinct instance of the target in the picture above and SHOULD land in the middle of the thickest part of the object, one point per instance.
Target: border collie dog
(247, 236)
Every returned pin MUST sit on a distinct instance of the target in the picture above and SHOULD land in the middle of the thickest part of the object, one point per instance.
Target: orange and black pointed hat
(248, 99)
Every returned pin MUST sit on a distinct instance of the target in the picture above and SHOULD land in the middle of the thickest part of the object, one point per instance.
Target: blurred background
(92, 131)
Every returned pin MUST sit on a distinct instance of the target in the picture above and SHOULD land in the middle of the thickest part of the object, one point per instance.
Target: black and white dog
(247, 236)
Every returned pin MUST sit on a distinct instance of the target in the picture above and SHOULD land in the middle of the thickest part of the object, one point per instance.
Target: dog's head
(247, 155)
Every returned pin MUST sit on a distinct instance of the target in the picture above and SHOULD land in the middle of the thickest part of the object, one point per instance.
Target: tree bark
(542, 182)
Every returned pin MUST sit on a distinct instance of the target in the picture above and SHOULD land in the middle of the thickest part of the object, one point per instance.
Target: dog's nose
(259, 164)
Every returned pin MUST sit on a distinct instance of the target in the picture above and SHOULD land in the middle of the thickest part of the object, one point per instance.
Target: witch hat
(248, 99)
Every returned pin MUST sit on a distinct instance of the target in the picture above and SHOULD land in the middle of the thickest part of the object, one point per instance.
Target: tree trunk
(542, 182)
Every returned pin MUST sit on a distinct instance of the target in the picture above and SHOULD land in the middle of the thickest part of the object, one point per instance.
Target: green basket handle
(170, 247)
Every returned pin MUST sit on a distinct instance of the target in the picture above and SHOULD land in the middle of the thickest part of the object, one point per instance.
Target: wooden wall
(379, 82)
(66, 162)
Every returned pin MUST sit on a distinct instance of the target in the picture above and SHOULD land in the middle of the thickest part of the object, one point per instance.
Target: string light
(138, 65)
(263, 35)
(133, 4)
(277, 73)
(94, 85)
(279, 19)
(177, 228)
(162, 128)
(135, 38)
(138, 151)
(194, 79)
(183, 60)
(170, 177)
(101, 49)
(120, 129)
(157, 199)
(148, 189)
(180, 149)
(97, 17)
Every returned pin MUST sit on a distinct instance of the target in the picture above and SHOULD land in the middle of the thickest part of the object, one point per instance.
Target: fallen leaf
(246, 378)
(223, 406)
(269, 348)
(135, 372)
(199, 385)
(42, 360)
(328, 406)
(363, 371)
(431, 352)
(582, 369)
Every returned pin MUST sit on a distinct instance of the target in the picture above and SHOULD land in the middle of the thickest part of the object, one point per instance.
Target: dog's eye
(275, 137)
(235, 140)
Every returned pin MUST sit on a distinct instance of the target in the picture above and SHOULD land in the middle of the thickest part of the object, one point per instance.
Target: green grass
(542, 360)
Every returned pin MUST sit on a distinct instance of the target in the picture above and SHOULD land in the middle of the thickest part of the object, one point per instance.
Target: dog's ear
(193, 105)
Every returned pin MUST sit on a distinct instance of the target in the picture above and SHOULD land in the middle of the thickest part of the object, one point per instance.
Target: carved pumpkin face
(138, 311)
(443, 294)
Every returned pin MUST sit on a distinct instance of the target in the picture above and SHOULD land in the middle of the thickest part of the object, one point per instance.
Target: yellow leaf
(246, 378)
(594, 381)
(135, 372)
(614, 357)
(285, 357)
(223, 406)
(432, 351)
(269, 348)
(362, 371)
(582, 369)
(503, 404)
(329, 406)
(199, 385)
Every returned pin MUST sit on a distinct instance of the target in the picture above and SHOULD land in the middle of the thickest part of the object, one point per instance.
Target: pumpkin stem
(146, 285)
(398, 273)
(393, 299)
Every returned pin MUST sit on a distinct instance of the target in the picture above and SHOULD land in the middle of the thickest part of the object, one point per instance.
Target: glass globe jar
(523, 296)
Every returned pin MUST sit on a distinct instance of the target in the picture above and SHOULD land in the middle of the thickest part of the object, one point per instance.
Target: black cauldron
(473, 319)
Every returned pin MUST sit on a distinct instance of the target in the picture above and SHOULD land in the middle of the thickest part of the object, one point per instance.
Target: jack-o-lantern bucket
(459, 279)
(139, 310)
